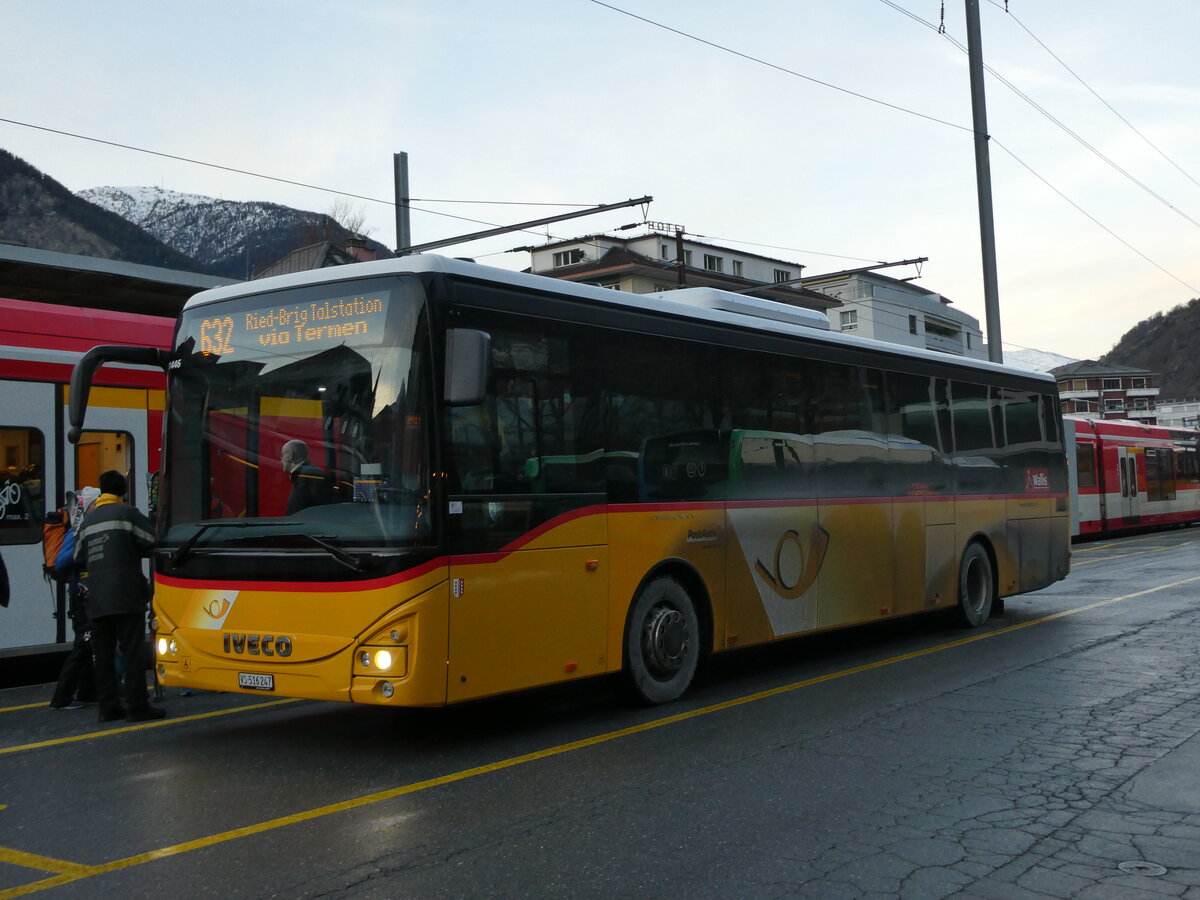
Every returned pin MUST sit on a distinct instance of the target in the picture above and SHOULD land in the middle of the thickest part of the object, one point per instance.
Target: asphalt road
(1053, 753)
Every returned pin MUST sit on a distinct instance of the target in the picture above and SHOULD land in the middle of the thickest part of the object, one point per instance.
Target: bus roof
(658, 303)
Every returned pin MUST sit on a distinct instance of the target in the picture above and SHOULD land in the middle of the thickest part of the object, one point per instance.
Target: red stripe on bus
(370, 584)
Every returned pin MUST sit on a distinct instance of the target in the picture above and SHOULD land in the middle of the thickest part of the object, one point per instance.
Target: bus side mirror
(468, 353)
(81, 376)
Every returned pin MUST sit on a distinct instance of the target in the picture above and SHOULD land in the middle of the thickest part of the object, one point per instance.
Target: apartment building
(1107, 391)
(889, 309)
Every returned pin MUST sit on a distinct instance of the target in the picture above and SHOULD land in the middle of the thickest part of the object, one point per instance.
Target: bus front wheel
(976, 586)
(662, 641)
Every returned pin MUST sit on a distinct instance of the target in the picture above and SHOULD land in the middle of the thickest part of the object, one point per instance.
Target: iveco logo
(257, 644)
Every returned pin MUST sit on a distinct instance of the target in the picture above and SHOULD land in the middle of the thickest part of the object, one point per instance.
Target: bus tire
(976, 586)
(662, 641)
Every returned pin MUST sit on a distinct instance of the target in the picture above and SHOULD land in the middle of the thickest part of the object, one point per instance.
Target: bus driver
(310, 486)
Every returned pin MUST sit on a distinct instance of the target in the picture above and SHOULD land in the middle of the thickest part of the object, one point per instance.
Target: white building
(887, 309)
(653, 263)
(859, 302)
(1179, 413)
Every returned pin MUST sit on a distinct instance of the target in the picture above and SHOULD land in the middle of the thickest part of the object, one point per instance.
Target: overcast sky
(845, 140)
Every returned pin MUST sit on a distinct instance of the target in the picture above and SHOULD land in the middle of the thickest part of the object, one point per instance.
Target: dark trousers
(127, 633)
(76, 680)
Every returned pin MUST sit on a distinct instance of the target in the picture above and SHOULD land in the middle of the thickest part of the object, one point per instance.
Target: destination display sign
(296, 328)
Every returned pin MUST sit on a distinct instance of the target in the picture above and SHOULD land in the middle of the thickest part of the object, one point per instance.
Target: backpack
(54, 531)
(64, 563)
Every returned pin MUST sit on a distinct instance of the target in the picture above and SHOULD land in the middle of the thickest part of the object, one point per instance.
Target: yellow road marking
(141, 726)
(1121, 542)
(1092, 562)
(465, 774)
(5, 709)
(45, 863)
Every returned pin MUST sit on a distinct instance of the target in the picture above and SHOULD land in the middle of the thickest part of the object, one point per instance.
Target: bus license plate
(256, 682)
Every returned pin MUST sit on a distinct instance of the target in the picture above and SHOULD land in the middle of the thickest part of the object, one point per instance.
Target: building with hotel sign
(857, 301)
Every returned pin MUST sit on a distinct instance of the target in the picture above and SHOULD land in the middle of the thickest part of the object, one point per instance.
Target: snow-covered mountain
(235, 238)
(1035, 360)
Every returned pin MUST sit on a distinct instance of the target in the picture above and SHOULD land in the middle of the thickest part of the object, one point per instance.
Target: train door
(1128, 505)
(27, 478)
(100, 451)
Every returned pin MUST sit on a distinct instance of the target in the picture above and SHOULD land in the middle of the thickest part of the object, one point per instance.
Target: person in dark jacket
(109, 550)
(310, 486)
(76, 680)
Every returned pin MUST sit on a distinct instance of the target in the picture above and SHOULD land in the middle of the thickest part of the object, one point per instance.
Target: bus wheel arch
(667, 633)
(977, 585)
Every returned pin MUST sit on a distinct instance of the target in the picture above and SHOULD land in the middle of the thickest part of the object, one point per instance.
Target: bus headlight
(383, 660)
(162, 646)
(167, 645)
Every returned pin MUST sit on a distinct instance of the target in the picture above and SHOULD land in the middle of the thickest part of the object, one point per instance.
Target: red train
(1126, 476)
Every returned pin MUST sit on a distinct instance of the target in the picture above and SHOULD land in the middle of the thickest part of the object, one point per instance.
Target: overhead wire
(288, 181)
(1095, 94)
(770, 65)
(328, 190)
(1042, 178)
(1045, 112)
(935, 28)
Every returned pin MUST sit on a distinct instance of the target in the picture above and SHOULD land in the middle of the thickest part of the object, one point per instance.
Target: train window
(1186, 465)
(1085, 464)
(22, 498)
(1160, 473)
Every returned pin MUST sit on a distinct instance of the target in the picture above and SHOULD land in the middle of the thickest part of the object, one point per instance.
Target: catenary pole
(983, 182)
(403, 232)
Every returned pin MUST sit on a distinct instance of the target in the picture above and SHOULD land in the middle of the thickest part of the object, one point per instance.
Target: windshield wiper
(185, 549)
(337, 553)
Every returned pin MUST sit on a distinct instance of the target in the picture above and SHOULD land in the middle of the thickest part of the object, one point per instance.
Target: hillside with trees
(1167, 344)
(38, 212)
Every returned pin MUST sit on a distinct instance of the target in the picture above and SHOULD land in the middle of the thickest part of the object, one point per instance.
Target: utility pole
(983, 182)
(680, 268)
(403, 232)
(679, 257)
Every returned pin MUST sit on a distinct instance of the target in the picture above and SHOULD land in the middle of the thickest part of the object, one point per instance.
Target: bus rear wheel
(662, 642)
(976, 586)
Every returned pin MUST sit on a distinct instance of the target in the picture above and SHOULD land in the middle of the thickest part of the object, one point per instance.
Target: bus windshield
(298, 425)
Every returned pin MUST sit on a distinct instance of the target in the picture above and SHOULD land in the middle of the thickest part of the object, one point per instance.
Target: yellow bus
(512, 481)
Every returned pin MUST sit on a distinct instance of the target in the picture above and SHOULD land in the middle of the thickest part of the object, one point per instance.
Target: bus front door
(533, 611)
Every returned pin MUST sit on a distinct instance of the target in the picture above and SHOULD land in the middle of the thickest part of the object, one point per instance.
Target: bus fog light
(385, 688)
(383, 660)
(364, 659)
(162, 646)
(162, 672)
